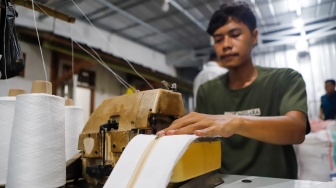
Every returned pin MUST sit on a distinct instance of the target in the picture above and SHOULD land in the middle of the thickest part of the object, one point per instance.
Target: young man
(328, 101)
(258, 112)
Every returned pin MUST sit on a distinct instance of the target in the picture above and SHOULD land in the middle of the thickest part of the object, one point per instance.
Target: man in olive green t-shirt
(259, 112)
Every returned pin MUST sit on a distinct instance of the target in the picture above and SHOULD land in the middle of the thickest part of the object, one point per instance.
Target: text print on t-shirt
(250, 112)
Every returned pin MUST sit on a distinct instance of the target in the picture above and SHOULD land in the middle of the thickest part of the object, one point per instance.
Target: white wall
(100, 39)
(317, 68)
(33, 70)
(82, 100)
(106, 84)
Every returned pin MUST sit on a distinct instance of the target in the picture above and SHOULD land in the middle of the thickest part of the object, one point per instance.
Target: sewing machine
(118, 119)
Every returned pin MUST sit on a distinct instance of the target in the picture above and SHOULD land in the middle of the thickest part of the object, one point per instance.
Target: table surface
(235, 181)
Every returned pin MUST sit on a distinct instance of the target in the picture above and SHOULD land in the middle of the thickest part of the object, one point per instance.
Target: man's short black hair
(332, 81)
(237, 10)
(212, 56)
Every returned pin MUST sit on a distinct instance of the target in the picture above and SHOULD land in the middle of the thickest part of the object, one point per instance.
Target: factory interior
(87, 86)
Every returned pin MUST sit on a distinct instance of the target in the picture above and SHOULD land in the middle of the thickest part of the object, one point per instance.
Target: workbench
(238, 181)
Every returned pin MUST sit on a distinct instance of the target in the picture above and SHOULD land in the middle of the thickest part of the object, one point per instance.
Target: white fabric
(159, 158)
(122, 172)
(210, 71)
(315, 156)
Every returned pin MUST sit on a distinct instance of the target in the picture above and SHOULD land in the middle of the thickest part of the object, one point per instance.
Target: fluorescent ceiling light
(302, 45)
(298, 23)
(165, 6)
(295, 6)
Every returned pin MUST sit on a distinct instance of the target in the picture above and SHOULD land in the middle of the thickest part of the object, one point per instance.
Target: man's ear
(255, 36)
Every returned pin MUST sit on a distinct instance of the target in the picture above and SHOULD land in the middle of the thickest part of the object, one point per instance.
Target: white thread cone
(74, 123)
(37, 148)
(7, 107)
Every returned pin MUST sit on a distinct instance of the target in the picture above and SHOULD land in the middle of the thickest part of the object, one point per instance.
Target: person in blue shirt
(328, 101)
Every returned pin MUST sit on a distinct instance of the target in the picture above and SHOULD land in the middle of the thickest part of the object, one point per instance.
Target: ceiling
(180, 31)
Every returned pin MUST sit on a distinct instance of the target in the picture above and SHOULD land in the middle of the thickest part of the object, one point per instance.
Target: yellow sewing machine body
(118, 119)
(201, 157)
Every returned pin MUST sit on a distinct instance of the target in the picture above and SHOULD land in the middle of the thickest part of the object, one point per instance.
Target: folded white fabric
(148, 162)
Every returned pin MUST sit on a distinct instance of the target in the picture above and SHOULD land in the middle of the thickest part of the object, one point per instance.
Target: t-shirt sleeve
(294, 94)
(200, 99)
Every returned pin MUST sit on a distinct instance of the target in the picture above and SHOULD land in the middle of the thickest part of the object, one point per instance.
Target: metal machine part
(117, 120)
(99, 171)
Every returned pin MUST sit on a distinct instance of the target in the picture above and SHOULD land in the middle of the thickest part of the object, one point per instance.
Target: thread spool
(68, 102)
(16, 92)
(7, 108)
(41, 86)
(74, 124)
(37, 147)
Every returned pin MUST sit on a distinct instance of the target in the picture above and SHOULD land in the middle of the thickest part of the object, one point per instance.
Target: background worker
(210, 70)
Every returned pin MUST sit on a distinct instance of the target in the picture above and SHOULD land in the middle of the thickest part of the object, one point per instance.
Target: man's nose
(227, 44)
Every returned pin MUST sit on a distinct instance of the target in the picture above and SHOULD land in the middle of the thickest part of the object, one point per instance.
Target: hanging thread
(37, 147)
(7, 107)
(38, 39)
(115, 50)
(74, 124)
(98, 58)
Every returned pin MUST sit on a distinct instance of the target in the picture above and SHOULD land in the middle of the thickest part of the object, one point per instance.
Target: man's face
(329, 87)
(234, 43)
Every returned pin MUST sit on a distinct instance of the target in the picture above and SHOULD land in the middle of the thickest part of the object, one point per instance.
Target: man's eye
(235, 34)
(218, 40)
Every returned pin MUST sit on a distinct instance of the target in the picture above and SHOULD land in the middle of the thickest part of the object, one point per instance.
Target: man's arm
(287, 129)
(321, 114)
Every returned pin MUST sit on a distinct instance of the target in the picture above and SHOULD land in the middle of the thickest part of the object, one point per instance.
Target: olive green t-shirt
(273, 93)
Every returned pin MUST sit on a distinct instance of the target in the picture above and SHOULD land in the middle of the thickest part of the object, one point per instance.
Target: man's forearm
(321, 114)
(288, 129)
